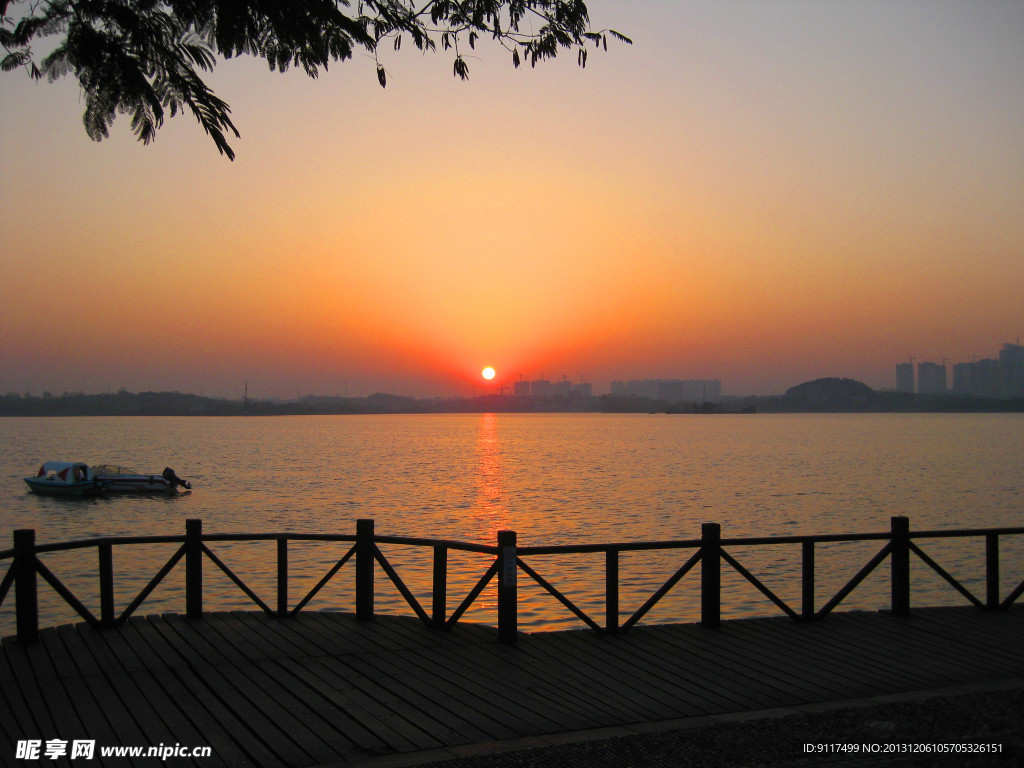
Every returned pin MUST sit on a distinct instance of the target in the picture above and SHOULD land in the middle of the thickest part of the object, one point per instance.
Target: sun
(487, 373)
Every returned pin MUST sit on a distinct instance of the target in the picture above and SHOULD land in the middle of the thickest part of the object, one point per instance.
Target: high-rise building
(583, 389)
(1012, 353)
(931, 379)
(521, 388)
(963, 378)
(1011, 358)
(540, 388)
(991, 377)
(672, 390)
(904, 377)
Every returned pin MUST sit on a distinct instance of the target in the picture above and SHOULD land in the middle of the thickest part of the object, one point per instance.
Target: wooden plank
(224, 750)
(399, 709)
(224, 632)
(136, 721)
(455, 693)
(575, 672)
(97, 659)
(567, 674)
(625, 668)
(338, 705)
(676, 673)
(895, 637)
(12, 731)
(125, 730)
(289, 713)
(194, 645)
(682, 672)
(274, 736)
(665, 670)
(725, 652)
(851, 651)
(538, 699)
(387, 731)
(617, 678)
(830, 670)
(249, 750)
(345, 712)
(702, 647)
(884, 646)
(284, 633)
(152, 641)
(981, 630)
(161, 720)
(861, 650)
(28, 709)
(319, 640)
(728, 656)
(542, 679)
(342, 630)
(282, 699)
(685, 650)
(34, 671)
(166, 721)
(89, 700)
(110, 646)
(135, 633)
(408, 700)
(202, 635)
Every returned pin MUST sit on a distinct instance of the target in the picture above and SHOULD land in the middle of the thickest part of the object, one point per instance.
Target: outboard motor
(174, 480)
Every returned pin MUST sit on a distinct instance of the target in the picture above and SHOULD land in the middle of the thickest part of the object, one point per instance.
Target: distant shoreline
(177, 404)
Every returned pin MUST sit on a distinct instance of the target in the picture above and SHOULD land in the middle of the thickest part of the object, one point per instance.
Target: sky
(757, 192)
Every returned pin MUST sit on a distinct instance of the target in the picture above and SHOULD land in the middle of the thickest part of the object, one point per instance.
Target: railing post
(282, 577)
(807, 583)
(710, 574)
(611, 591)
(25, 595)
(900, 556)
(364, 569)
(194, 569)
(992, 571)
(508, 593)
(106, 564)
(440, 587)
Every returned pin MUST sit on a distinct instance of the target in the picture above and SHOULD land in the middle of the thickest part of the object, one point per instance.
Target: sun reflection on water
(491, 504)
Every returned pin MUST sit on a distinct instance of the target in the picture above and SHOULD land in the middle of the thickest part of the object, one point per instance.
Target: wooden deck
(322, 688)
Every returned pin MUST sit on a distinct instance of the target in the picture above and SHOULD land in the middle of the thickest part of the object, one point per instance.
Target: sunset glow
(757, 193)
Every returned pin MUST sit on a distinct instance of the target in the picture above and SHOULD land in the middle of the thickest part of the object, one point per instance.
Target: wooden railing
(709, 551)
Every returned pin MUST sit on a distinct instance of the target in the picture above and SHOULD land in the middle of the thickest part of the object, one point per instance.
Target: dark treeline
(821, 396)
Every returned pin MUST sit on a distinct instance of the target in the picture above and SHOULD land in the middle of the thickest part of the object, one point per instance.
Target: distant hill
(823, 390)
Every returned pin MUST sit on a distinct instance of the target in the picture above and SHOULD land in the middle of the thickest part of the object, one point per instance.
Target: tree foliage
(144, 58)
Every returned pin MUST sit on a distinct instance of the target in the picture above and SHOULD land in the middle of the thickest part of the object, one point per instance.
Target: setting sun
(488, 373)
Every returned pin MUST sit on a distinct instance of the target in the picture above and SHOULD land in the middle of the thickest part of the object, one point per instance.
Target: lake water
(553, 478)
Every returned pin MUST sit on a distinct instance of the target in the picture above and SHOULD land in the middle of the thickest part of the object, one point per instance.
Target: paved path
(323, 689)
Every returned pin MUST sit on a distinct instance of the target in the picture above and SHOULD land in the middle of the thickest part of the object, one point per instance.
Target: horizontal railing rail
(708, 552)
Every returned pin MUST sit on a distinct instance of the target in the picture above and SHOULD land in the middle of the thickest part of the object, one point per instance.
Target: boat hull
(135, 484)
(115, 479)
(48, 488)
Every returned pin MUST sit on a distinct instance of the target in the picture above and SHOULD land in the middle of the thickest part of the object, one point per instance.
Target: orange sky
(760, 193)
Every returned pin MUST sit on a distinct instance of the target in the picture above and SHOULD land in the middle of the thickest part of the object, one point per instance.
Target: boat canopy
(113, 469)
(65, 472)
